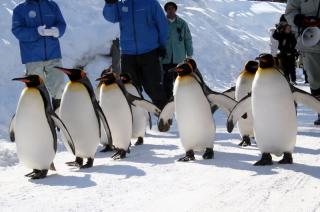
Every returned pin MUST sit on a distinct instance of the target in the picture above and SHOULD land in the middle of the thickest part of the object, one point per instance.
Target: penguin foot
(189, 156)
(78, 162)
(120, 154)
(89, 164)
(139, 141)
(245, 141)
(208, 154)
(30, 174)
(266, 160)
(107, 148)
(39, 174)
(287, 158)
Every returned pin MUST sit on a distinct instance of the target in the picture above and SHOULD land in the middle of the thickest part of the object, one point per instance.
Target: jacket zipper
(45, 39)
(134, 27)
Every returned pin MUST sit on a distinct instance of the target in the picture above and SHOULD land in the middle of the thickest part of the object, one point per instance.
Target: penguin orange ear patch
(83, 74)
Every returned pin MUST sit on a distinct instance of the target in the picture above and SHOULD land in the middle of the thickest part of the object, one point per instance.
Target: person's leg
(129, 65)
(292, 69)
(54, 78)
(311, 62)
(152, 78)
(305, 76)
(168, 79)
(35, 68)
(285, 68)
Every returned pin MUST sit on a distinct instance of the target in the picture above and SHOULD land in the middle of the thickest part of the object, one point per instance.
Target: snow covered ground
(226, 34)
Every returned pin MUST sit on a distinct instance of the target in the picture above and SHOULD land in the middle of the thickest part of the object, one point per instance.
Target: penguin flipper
(58, 122)
(165, 118)
(105, 124)
(306, 99)
(139, 102)
(221, 100)
(12, 128)
(239, 111)
(231, 92)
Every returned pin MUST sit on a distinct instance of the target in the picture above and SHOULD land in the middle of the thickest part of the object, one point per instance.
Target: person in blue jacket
(38, 24)
(143, 36)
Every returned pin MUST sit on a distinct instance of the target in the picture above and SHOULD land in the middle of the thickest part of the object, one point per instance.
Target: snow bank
(8, 155)
(226, 34)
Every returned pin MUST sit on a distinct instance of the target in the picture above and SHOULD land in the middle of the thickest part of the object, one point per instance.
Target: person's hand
(111, 1)
(162, 51)
(53, 31)
(41, 30)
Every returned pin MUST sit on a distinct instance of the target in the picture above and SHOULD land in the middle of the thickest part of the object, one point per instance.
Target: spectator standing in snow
(273, 43)
(288, 53)
(299, 14)
(143, 36)
(38, 24)
(179, 46)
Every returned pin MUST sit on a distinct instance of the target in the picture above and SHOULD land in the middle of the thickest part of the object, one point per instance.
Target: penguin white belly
(243, 87)
(140, 116)
(77, 113)
(194, 119)
(118, 113)
(34, 139)
(275, 123)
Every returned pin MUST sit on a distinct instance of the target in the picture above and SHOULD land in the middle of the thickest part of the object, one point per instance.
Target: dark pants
(145, 70)
(288, 64)
(168, 79)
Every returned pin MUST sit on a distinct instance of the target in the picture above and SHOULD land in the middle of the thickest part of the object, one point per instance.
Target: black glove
(111, 1)
(298, 20)
(162, 52)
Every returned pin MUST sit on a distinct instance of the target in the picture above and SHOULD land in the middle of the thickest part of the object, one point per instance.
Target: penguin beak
(64, 70)
(172, 70)
(100, 79)
(21, 79)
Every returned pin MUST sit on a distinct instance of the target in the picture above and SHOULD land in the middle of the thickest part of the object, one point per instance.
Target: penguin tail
(52, 167)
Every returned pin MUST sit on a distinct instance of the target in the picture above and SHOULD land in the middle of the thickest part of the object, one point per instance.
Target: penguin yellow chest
(34, 139)
(193, 114)
(273, 110)
(78, 114)
(118, 113)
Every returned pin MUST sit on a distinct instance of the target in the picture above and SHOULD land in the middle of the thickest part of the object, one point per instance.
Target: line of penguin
(263, 104)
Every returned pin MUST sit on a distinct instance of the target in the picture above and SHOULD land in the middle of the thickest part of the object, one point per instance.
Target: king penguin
(81, 113)
(140, 116)
(191, 104)
(273, 112)
(116, 104)
(243, 88)
(33, 128)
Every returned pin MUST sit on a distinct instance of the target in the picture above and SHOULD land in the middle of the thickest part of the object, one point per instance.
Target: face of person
(171, 12)
(287, 29)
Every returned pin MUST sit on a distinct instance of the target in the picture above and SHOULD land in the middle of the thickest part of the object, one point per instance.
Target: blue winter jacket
(143, 25)
(26, 18)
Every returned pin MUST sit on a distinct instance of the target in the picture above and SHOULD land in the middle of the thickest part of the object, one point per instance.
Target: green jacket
(307, 8)
(178, 47)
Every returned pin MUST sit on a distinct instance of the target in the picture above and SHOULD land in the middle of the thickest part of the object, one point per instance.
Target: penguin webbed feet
(89, 164)
(287, 158)
(266, 160)
(78, 162)
(208, 154)
(37, 174)
(188, 157)
(245, 141)
(164, 126)
(120, 154)
(139, 141)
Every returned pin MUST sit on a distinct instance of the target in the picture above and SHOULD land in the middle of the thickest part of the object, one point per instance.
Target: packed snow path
(151, 179)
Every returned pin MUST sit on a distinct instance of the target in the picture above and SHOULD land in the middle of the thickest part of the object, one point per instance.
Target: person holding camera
(38, 25)
(288, 54)
(143, 37)
(179, 46)
(302, 14)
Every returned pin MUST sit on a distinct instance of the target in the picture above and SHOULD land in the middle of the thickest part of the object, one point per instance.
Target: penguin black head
(30, 80)
(266, 60)
(186, 68)
(125, 78)
(73, 74)
(251, 66)
(108, 78)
